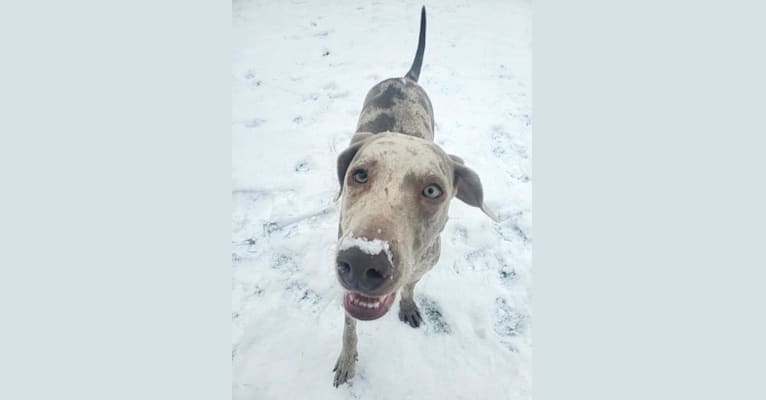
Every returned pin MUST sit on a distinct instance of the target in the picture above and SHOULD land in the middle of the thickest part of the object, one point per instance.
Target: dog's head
(396, 192)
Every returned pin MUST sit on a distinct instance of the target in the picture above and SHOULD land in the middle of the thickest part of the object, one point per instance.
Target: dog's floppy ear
(468, 187)
(344, 159)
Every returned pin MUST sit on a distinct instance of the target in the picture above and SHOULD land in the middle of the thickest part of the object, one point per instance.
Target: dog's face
(396, 193)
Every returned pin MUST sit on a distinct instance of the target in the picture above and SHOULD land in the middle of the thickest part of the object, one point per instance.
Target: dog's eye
(432, 191)
(360, 176)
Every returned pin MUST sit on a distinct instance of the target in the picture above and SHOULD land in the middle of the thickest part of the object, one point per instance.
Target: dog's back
(400, 104)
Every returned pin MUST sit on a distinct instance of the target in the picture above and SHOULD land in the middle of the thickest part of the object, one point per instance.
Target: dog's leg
(345, 367)
(408, 310)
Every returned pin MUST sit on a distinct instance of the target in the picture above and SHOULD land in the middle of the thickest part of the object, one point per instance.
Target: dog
(396, 185)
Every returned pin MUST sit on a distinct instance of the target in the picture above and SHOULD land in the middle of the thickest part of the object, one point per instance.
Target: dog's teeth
(357, 300)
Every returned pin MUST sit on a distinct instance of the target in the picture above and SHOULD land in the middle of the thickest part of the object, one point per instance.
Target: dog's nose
(358, 270)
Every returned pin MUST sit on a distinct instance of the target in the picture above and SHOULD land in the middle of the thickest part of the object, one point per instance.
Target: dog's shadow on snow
(432, 315)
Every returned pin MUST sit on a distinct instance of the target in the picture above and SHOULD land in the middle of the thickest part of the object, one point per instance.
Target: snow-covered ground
(300, 71)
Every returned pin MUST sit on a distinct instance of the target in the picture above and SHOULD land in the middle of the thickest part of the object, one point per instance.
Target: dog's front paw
(345, 367)
(409, 313)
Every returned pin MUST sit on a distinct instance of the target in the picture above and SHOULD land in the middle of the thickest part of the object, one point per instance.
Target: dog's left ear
(468, 186)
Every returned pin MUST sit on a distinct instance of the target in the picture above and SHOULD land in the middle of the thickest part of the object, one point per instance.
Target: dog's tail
(414, 71)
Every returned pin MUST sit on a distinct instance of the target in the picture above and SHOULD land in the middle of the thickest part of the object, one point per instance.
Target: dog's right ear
(345, 158)
(468, 187)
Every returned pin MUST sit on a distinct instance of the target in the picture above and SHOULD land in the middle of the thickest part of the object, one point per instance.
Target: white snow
(300, 71)
(371, 247)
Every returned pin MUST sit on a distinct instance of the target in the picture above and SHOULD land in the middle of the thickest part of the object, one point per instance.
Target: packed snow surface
(300, 71)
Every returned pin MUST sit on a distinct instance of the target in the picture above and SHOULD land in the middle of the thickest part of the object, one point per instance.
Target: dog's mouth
(367, 308)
